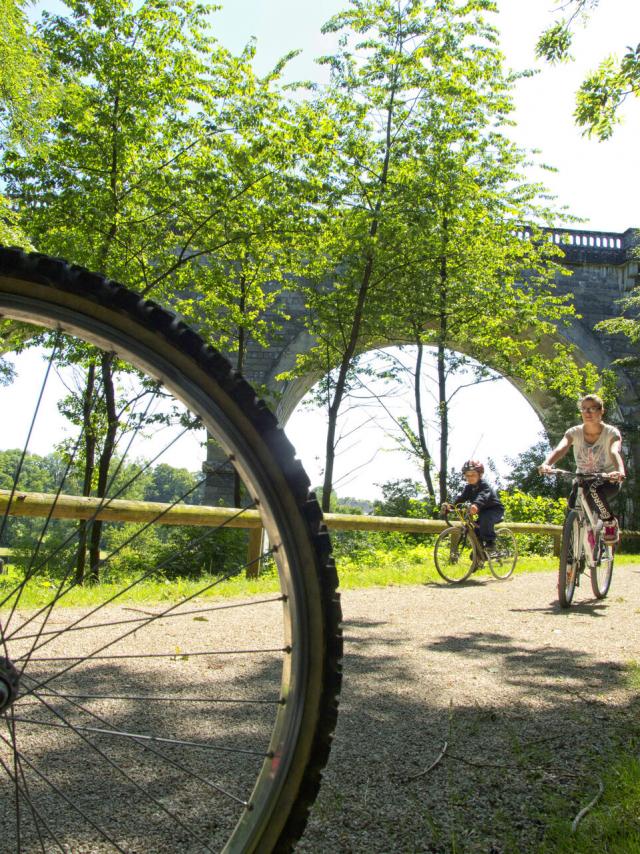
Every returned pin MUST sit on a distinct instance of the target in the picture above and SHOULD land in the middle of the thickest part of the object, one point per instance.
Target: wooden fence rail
(37, 504)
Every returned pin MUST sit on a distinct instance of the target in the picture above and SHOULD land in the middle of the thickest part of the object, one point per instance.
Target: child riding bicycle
(597, 449)
(483, 501)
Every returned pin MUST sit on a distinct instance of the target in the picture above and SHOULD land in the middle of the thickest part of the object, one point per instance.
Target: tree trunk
(89, 466)
(443, 406)
(426, 455)
(242, 345)
(356, 323)
(106, 364)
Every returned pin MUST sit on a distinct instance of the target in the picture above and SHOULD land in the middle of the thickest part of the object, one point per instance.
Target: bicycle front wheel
(570, 556)
(153, 703)
(602, 572)
(502, 560)
(455, 554)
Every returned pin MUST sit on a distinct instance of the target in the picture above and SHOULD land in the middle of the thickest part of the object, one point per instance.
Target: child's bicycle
(583, 545)
(458, 550)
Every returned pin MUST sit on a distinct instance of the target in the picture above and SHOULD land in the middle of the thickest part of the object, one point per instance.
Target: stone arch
(587, 348)
(604, 268)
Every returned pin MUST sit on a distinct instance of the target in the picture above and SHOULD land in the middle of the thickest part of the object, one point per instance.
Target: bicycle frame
(588, 521)
(467, 527)
(583, 546)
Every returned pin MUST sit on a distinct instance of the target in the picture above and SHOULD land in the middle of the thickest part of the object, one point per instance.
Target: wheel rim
(110, 705)
(603, 571)
(503, 560)
(573, 561)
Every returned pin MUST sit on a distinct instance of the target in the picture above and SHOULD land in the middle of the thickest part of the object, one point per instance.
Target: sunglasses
(590, 409)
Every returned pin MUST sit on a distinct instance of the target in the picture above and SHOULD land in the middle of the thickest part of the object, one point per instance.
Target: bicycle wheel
(162, 716)
(455, 554)
(602, 572)
(570, 556)
(502, 560)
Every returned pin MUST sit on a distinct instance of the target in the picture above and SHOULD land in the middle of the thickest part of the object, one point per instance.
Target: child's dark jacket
(482, 494)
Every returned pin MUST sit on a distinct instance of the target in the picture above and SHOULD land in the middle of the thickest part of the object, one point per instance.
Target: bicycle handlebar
(461, 510)
(602, 475)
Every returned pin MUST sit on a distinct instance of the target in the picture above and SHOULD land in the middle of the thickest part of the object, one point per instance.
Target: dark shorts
(487, 520)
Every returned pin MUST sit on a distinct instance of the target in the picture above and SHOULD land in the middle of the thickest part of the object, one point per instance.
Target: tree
(428, 238)
(524, 476)
(604, 90)
(397, 65)
(25, 93)
(170, 484)
(166, 167)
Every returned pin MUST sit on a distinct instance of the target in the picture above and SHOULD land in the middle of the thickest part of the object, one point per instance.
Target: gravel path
(529, 699)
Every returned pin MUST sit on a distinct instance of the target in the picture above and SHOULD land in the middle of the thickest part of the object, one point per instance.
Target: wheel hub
(9, 681)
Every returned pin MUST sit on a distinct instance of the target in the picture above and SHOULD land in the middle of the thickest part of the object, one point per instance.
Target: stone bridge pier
(604, 267)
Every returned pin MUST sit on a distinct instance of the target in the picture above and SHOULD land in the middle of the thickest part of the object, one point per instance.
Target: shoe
(611, 534)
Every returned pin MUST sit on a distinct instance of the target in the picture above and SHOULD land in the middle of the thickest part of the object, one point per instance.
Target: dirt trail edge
(530, 700)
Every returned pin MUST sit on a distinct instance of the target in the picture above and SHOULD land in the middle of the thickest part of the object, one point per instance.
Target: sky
(598, 181)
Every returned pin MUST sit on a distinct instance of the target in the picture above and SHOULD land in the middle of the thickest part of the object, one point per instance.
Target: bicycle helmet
(473, 465)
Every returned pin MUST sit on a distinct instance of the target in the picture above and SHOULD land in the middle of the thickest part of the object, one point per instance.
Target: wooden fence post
(254, 552)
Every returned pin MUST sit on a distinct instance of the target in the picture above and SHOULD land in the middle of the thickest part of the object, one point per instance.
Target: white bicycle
(582, 544)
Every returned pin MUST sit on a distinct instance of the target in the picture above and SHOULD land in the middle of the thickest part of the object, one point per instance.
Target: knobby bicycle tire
(569, 559)
(455, 555)
(58, 794)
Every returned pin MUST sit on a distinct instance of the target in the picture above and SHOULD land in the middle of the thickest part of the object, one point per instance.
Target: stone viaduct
(604, 266)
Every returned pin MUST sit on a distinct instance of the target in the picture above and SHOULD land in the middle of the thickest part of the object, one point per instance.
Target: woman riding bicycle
(597, 449)
(483, 500)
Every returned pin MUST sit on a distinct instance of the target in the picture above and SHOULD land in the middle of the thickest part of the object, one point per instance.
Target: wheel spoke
(196, 541)
(68, 725)
(111, 623)
(146, 719)
(58, 791)
(147, 744)
(38, 818)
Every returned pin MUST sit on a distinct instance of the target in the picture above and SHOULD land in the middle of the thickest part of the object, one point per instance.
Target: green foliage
(130, 549)
(403, 498)
(170, 484)
(604, 90)
(520, 507)
(555, 42)
(524, 477)
(171, 552)
(425, 241)
(26, 95)
(22, 75)
(168, 165)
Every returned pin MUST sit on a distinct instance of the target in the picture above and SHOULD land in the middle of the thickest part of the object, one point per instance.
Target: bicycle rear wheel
(455, 554)
(570, 556)
(602, 572)
(502, 560)
(162, 716)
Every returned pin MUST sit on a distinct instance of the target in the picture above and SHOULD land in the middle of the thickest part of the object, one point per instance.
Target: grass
(380, 568)
(152, 590)
(612, 826)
